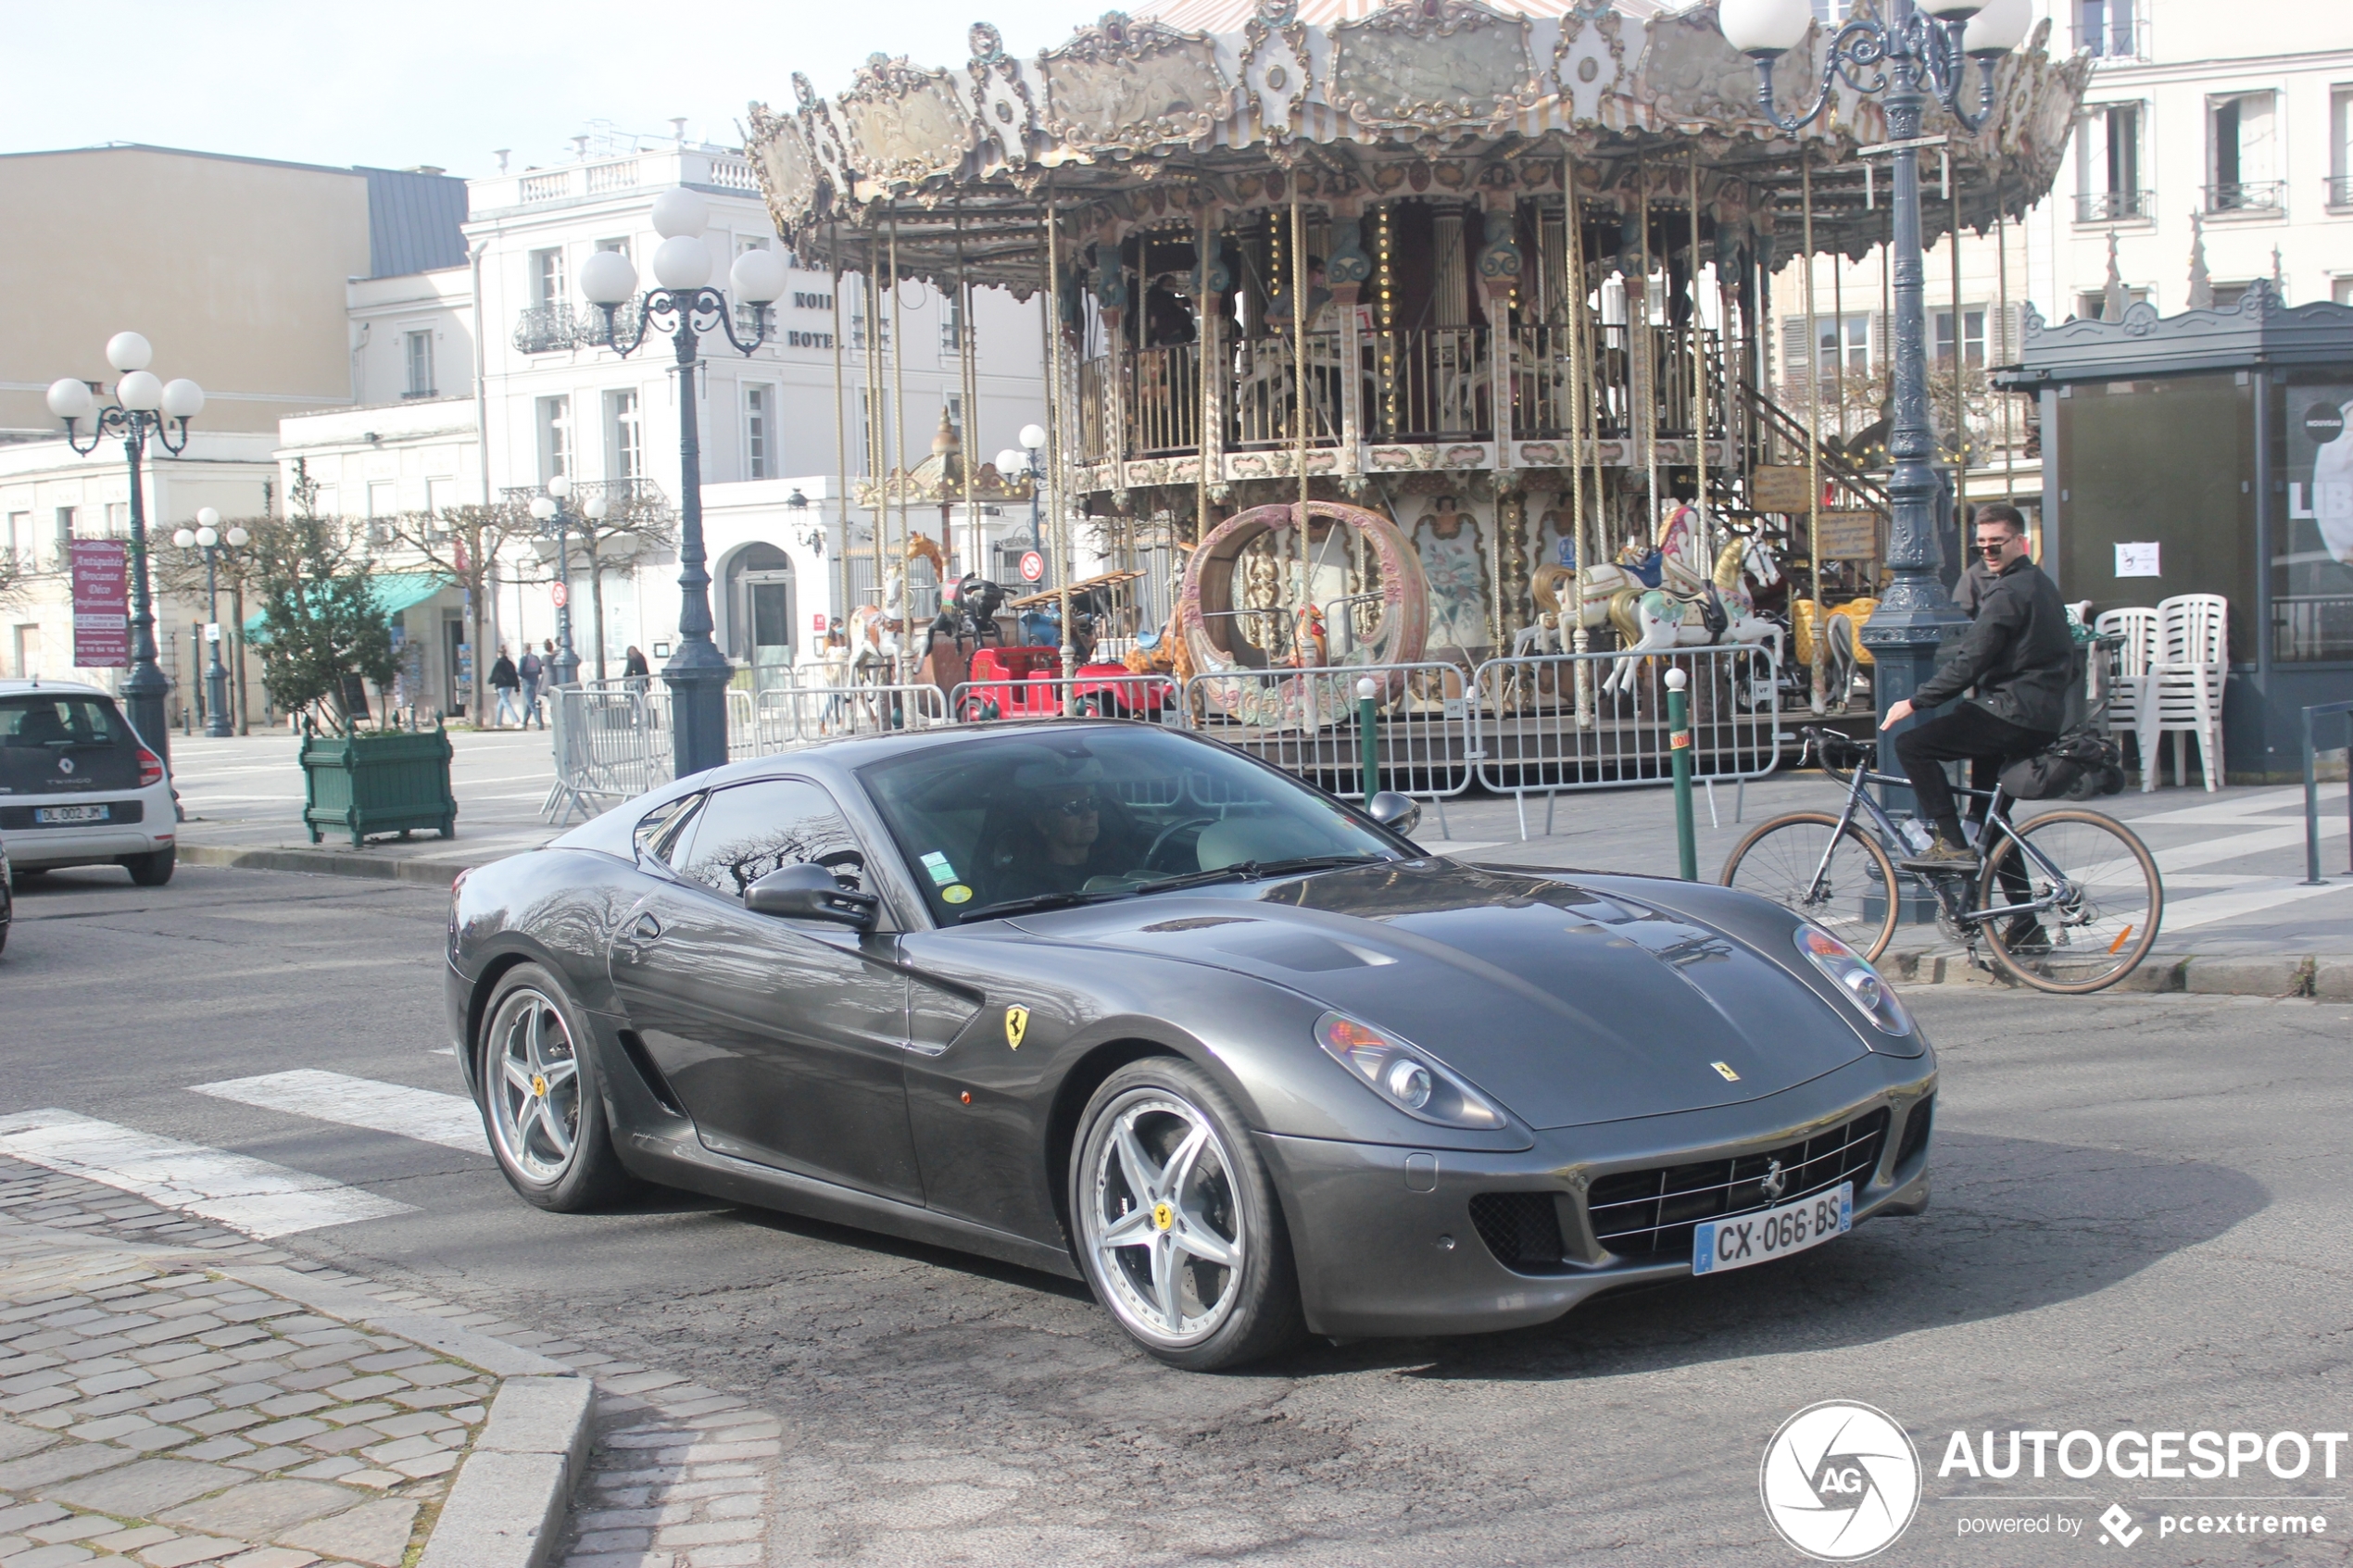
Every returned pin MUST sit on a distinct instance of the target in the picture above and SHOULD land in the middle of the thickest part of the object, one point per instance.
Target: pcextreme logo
(1840, 1481)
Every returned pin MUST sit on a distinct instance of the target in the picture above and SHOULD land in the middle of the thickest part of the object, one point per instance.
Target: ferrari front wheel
(1179, 1232)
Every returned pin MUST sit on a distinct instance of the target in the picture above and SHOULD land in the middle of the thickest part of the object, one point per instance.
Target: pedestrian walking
(506, 683)
(634, 668)
(530, 669)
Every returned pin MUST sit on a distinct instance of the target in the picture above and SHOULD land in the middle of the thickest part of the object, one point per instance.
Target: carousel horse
(1654, 620)
(1310, 648)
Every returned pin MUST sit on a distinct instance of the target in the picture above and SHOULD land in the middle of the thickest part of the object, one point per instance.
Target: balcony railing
(2114, 207)
(547, 329)
(2341, 190)
(2248, 195)
(1436, 384)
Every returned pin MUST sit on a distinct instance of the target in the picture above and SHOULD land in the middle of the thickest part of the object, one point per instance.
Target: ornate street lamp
(1923, 47)
(697, 674)
(206, 536)
(565, 667)
(143, 406)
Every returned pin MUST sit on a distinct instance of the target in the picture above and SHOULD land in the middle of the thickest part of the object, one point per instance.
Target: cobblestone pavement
(131, 1368)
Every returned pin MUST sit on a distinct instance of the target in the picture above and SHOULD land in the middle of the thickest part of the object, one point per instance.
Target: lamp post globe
(542, 508)
(182, 399)
(758, 276)
(595, 508)
(185, 538)
(239, 538)
(682, 263)
(1999, 28)
(1033, 437)
(561, 487)
(1765, 29)
(607, 278)
(679, 213)
(140, 391)
(71, 401)
(128, 351)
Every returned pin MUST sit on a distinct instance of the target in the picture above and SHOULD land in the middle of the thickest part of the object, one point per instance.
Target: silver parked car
(76, 788)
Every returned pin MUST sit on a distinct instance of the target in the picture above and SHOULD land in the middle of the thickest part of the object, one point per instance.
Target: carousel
(1431, 334)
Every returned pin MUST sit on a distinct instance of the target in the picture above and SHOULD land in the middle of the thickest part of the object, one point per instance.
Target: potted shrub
(323, 635)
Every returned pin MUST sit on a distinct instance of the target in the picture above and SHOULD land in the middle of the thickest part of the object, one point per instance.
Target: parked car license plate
(69, 813)
(1743, 1239)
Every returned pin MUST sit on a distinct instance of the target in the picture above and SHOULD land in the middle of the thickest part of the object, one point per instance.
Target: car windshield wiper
(1256, 871)
(1037, 901)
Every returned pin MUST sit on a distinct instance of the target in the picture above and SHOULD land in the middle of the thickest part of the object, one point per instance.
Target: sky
(445, 83)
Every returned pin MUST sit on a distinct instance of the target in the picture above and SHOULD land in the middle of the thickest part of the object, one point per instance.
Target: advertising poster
(2313, 598)
(101, 603)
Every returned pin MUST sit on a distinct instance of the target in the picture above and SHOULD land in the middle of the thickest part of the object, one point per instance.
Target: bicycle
(2069, 902)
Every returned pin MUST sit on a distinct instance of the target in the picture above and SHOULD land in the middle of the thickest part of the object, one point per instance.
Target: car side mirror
(1398, 813)
(807, 891)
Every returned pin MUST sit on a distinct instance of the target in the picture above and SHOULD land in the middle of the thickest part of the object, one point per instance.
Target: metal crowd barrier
(1556, 723)
(1305, 722)
(789, 717)
(612, 744)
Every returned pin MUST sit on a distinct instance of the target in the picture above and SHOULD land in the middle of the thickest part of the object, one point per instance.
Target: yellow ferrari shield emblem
(1016, 1026)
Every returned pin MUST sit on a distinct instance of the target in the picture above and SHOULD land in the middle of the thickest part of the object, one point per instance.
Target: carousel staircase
(1787, 431)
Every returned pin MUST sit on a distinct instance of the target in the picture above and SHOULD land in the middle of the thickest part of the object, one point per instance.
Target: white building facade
(482, 384)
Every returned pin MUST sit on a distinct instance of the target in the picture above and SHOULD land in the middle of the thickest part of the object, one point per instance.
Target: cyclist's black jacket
(2018, 653)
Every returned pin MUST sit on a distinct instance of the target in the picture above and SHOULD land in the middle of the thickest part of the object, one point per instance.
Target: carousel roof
(1207, 108)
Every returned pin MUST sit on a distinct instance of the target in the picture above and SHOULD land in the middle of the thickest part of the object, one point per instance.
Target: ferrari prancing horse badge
(1016, 1026)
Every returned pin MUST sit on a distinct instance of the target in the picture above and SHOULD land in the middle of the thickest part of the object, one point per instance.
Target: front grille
(1915, 1131)
(20, 818)
(1523, 1229)
(1650, 1214)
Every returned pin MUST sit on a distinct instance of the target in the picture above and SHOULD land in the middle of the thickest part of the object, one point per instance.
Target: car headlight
(1855, 977)
(1404, 1076)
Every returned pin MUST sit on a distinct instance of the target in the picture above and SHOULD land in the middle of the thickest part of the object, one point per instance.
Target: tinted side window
(665, 830)
(744, 832)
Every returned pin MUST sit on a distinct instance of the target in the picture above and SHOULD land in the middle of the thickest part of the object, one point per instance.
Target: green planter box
(368, 784)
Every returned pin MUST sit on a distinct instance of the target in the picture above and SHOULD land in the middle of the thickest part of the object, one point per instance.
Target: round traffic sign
(1033, 565)
(560, 593)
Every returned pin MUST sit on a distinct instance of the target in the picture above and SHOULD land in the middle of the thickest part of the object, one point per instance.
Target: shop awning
(394, 592)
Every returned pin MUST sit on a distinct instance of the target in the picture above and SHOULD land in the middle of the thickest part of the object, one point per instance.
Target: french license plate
(69, 813)
(1744, 1239)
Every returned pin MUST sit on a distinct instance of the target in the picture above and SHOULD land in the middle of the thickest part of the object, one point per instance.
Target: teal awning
(394, 592)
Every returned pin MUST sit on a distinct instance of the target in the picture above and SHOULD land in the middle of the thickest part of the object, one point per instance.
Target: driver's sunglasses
(1076, 806)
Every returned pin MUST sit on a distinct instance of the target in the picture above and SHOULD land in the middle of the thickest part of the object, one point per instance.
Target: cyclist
(2018, 654)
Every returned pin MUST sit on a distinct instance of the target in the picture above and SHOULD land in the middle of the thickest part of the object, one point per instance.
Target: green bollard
(1368, 734)
(1679, 743)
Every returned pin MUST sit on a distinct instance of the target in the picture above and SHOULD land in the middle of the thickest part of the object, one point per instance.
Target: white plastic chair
(2136, 626)
(2182, 696)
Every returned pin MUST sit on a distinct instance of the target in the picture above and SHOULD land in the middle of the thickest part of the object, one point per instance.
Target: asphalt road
(2141, 1221)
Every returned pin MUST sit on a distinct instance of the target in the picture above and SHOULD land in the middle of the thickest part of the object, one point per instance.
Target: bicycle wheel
(2103, 907)
(1841, 879)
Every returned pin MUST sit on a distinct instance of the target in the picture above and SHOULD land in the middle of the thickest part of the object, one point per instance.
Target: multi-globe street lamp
(697, 674)
(1029, 458)
(565, 669)
(206, 536)
(143, 407)
(1922, 45)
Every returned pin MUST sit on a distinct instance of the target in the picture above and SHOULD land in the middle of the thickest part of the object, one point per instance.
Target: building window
(20, 545)
(951, 325)
(2107, 164)
(760, 435)
(555, 437)
(383, 499)
(118, 520)
(2106, 28)
(2341, 147)
(857, 331)
(2091, 303)
(547, 277)
(64, 519)
(420, 345)
(2241, 143)
(1844, 348)
(2341, 291)
(1972, 336)
(624, 436)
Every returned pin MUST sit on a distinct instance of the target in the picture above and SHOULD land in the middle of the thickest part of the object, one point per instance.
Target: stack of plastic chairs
(2135, 629)
(2183, 694)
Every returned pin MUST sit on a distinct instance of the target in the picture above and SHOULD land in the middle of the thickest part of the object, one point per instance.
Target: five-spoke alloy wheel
(539, 1098)
(1179, 1228)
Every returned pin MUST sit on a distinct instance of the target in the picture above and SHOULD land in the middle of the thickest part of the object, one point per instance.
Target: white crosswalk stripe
(252, 1196)
(427, 1115)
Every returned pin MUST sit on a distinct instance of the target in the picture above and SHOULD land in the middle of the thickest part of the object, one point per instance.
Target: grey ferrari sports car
(1123, 1004)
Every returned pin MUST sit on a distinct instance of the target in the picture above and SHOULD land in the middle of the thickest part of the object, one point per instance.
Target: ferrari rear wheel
(1179, 1228)
(540, 1100)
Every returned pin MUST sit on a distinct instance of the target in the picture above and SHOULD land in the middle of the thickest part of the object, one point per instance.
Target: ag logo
(1016, 1026)
(1840, 1481)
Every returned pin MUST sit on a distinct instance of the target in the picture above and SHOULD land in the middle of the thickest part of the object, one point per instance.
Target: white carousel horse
(1655, 620)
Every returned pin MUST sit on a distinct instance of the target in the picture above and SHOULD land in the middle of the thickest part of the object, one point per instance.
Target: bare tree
(460, 546)
(633, 525)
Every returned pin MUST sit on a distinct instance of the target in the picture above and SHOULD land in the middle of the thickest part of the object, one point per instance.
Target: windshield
(1055, 815)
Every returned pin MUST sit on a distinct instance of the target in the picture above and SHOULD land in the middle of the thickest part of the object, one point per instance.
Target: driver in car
(1066, 836)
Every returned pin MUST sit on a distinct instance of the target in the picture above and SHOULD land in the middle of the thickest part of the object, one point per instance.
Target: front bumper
(1386, 1244)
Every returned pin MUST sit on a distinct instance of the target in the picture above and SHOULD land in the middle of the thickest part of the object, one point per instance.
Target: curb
(2326, 976)
(512, 1495)
(327, 862)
